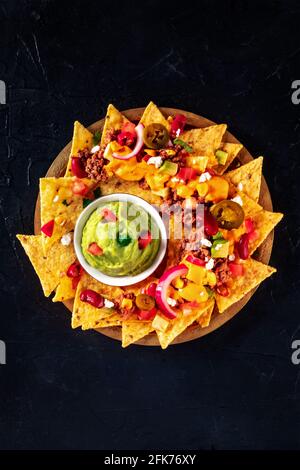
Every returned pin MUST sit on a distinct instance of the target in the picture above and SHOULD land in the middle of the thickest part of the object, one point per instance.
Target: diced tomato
(151, 290)
(80, 188)
(95, 249)
(147, 314)
(249, 225)
(178, 124)
(253, 235)
(146, 157)
(186, 174)
(236, 269)
(108, 215)
(47, 228)
(211, 171)
(144, 240)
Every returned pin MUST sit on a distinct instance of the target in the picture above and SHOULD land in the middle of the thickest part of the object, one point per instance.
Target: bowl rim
(120, 281)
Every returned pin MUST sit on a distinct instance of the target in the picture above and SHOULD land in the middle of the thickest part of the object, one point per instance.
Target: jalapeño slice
(156, 136)
(229, 214)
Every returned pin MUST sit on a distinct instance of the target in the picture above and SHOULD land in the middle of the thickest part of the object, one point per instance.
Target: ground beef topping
(94, 164)
(222, 271)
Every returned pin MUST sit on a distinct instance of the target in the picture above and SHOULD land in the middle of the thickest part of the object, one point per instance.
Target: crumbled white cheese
(175, 179)
(205, 242)
(171, 302)
(56, 198)
(95, 149)
(177, 132)
(108, 303)
(66, 239)
(231, 257)
(240, 186)
(238, 200)
(156, 161)
(206, 259)
(210, 264)
(218, 246)
(204, 177)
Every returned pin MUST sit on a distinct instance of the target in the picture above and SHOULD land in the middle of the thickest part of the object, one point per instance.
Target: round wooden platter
(262, 254)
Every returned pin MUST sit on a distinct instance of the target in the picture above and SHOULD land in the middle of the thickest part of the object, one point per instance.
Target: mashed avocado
(122, 254)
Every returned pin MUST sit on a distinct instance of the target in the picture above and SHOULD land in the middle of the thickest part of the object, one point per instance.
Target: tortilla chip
(65, 211)
(178, 325)
(204, 319)
(205, 141)
(109, 318)
(117, 185)
(265, 222)
(49, 269)
(133, 331)
(254, 273)
(82, 138)
(248, 177)
(232, 150)
(86, 314)
(114, 120)
(64, 290)
(153, 115)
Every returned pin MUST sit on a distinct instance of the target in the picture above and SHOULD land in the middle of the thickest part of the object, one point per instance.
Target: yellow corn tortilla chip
(204, 319)
(64, 290)
(264, 221)
(247, 177)
(116, 185)
(133, 331)
(109, 318)
(58, 203)
(86, 314)
(49, 269)
(205, 141)
(254, 273)
(82, 138)
(232, 151)
(153, 115)
(114, 120)
(178, 325)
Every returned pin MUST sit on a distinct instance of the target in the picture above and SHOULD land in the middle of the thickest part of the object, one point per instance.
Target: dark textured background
(229, 61)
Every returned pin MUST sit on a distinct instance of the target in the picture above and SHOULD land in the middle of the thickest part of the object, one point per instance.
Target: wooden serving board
(263, 253)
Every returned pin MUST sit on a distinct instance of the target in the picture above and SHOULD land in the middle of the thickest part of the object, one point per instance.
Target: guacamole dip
(120, 239)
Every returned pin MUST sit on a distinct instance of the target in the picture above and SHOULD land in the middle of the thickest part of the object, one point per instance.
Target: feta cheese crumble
(95, 149)
(108, 303)
(204, 177)
(231, 257)
(210, 264)
(56, 198)
(171, 302)
(238, 200)
(66, 239)
(156, 161)
(205, 242)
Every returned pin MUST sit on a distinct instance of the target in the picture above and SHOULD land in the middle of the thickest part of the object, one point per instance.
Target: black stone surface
(233, 62)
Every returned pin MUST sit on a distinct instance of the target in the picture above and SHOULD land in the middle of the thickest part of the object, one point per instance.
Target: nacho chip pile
(159, 176)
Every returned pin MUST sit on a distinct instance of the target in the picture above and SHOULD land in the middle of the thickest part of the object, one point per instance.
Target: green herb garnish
(218, 236)
(96, 137)
(210, 292)
(183, 144)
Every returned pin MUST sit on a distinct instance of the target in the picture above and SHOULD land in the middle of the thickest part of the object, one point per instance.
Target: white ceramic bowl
(121, 280)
